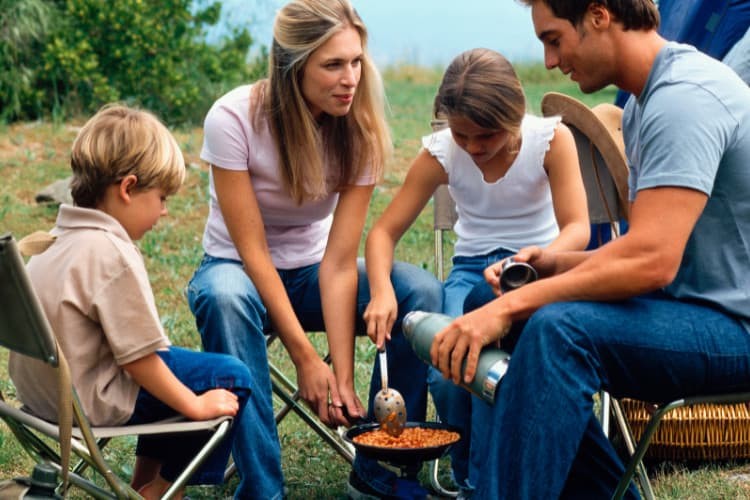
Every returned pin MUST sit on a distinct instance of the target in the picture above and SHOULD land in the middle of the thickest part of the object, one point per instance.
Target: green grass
(33, 155)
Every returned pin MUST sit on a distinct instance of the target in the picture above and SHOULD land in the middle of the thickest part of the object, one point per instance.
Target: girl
(293, 162)
(516, 182)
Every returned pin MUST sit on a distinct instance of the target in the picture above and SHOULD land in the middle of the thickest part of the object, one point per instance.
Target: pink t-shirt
(296, 234)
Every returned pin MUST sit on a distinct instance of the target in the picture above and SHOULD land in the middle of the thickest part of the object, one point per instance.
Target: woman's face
(331, 74)
(482, 144)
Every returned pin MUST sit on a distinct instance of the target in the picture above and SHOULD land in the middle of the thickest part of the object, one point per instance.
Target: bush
(22, 23)
(150, 53)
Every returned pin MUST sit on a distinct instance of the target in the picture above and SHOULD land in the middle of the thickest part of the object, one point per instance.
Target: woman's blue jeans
(201, 372)
(544, 441)
(232, 318)
(457, 406)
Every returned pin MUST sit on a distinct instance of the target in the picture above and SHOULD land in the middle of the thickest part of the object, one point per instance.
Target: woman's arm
(151, 373)
(423, 178)
(241, 213)
(568, 193)
(338, 291)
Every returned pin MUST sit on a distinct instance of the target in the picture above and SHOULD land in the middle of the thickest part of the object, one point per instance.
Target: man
(661, 312)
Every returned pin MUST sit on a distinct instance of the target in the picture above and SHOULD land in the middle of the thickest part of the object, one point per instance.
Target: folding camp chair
(24, 329)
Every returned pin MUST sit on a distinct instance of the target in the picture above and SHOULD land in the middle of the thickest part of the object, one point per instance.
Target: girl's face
(482, 144)
(331, 74)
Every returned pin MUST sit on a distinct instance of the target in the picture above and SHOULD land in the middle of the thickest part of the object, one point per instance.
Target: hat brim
(602, 125)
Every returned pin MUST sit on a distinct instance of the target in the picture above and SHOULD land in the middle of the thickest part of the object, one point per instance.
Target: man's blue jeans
(544, 441)
(232, 319)
(200, 372)
(457, 406)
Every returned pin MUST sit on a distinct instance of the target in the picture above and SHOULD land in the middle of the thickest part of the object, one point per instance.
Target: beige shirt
(95, 291)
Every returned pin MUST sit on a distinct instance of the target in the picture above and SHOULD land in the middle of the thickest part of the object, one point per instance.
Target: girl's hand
(214, 403)
(380, 316)
(464, 338)
(543, 261)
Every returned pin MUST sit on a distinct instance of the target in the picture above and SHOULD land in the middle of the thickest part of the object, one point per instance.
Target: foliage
(151, 53)
(22, 22)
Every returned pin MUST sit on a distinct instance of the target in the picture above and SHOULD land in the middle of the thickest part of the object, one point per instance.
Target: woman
(294, 160)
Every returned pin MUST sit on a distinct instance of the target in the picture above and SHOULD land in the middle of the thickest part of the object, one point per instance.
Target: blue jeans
(457, 406)
(544, 441)
(232, 318)
(201, 372)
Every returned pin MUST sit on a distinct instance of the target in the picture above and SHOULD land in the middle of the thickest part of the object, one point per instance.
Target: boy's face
(580, 52)
(145, 208)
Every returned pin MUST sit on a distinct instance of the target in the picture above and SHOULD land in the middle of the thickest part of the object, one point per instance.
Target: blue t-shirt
(690, 128)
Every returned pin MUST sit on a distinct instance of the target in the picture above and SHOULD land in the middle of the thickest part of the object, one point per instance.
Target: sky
(421, 32)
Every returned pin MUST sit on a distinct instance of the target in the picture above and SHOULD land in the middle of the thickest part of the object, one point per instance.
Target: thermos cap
(516, 274)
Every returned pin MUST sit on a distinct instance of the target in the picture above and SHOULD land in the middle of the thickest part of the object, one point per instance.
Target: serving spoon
(389, 406)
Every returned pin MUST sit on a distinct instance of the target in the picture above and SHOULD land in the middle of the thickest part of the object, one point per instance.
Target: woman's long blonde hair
(349, 144)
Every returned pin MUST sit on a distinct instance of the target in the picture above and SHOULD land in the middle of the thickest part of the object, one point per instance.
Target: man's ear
(599, 15)
(126, 186)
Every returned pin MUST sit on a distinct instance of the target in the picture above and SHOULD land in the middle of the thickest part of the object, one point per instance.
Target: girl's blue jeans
(200, 372)
(232, 318)
(543, 440)
(457, 406)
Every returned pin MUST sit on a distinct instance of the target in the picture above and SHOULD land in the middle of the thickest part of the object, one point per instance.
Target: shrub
(151, 53)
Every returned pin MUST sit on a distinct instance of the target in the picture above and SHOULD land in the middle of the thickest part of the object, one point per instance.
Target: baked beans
(411, 437)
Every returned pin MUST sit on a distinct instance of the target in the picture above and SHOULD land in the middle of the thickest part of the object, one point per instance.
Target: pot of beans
(419, 442)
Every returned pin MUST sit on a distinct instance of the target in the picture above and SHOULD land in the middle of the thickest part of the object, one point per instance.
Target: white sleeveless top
(513, 212)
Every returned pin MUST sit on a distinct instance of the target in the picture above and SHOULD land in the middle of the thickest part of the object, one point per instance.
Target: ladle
(389, 406)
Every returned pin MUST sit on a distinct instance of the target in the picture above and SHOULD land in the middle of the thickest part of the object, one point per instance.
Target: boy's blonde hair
(119, 141)
(351, 143)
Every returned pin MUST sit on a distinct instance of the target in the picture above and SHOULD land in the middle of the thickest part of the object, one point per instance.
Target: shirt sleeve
(677, 146)
(225, 136)
(440, 145)
(126, 309)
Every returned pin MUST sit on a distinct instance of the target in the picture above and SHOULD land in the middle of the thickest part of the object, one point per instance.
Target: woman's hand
(214, 403)
(464, 338)
(351, 409)
(317, 387)
(380, 315)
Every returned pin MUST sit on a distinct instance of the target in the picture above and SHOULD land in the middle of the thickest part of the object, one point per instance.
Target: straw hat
(602, 126)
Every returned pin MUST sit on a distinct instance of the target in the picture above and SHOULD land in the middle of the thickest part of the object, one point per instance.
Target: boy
(95, 291)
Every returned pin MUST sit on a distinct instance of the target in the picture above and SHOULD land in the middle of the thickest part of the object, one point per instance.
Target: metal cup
(516, 274)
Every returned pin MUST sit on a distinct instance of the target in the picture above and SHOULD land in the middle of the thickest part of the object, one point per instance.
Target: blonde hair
(349, 144)
(118, 141)
(481, 85)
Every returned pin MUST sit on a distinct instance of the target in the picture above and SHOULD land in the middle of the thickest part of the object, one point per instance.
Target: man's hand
(464, 338)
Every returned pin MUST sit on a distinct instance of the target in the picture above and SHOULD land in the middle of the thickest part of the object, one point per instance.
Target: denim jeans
(232, 318)
(543, 439)
(199, 371)
(457, 406)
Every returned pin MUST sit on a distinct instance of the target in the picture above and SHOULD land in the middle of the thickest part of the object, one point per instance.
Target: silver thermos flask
(420, 328)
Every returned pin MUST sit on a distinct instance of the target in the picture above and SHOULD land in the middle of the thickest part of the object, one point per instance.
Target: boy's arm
(151, 373)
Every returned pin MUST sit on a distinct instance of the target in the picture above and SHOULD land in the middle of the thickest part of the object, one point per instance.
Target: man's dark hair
(633, 14)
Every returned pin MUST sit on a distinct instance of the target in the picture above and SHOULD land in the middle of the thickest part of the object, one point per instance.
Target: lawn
(33, 155)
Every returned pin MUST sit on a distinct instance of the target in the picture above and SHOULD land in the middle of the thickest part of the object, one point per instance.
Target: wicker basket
(699, 432)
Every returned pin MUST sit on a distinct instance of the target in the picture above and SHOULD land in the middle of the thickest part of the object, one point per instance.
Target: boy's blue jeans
(544, 441)
(232, 319)
(199, 371)
(455, 405)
